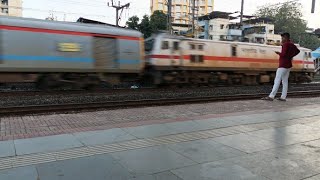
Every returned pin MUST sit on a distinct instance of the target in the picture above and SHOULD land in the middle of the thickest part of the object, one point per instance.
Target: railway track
(6, 93)
(76, 107)
(73, 92)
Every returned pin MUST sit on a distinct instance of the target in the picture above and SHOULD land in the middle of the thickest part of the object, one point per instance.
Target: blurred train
(183, 60)
(54, 54)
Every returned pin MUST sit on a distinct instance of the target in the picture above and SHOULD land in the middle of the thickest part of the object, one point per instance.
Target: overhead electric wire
(54, 11)
(79, 3)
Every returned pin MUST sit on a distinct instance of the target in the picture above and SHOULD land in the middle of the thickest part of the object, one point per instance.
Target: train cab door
(305, 59)
(105, 53)
(309, 59)
(176, 57)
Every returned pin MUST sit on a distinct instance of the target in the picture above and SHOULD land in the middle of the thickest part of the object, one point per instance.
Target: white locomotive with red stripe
(180, 60)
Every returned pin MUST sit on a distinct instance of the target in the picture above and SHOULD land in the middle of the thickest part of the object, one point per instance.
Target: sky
(71, 10)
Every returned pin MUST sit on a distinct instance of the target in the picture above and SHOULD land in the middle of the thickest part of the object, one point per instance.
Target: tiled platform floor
(48, 125)
(266, 144)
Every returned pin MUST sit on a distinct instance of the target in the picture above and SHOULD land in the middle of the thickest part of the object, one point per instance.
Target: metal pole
(117, 17)
(193, 16)
(241, 15)
(241, 19)
(169, 16)
(313, 6)
(118, 8)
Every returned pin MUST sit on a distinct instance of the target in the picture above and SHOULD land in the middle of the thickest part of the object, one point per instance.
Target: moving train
(54, 54)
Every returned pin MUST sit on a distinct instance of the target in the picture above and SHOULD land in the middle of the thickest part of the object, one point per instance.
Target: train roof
(67, 26)
(164, 35)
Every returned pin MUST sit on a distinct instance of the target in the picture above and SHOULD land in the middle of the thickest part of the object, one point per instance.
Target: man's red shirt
(289, 50)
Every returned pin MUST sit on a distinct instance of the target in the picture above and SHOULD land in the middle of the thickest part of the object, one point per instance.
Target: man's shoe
(280, 99)
(267, 99)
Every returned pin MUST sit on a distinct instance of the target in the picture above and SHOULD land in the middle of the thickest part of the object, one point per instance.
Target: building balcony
(201, 34)
(234, 32)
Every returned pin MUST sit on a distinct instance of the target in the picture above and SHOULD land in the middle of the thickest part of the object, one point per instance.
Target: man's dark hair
(287, 35)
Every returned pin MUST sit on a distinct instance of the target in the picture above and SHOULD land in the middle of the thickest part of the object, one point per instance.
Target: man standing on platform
(289, 50)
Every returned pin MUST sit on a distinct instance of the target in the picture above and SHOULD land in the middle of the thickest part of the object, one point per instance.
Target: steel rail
(76, 107)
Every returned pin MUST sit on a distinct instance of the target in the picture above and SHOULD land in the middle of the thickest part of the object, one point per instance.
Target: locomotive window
(193, 58)
(192, 46)
(309, 55)
(200, 58)
(165, 45)
(149, 45)
(234, 50)
(175, 45)
(196, 59)
(200, 47)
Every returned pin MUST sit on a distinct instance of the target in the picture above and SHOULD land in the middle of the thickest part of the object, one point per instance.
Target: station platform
(245, 140)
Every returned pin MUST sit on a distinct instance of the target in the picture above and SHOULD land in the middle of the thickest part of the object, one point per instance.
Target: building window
(221, 26)
(211, 37)
(184, 8)
(178, 8)
(165, 45)
(211, 27)
(221, 37)
(271, 31)
(192, 46)
(160, 6)
(4, 2)
(5, 10)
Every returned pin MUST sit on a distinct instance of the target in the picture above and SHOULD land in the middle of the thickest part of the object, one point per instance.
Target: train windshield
(148, 45)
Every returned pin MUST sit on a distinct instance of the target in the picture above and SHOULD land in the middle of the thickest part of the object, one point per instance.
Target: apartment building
(218, 26)
(260, 30)
(182, 11)
(11, 7)
(221, 26)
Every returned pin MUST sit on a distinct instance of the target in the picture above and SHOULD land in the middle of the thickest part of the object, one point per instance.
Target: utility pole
(169, 16)
(193, 16)
(241, 20)
(241, 13)
(118, 8)
(313, 6)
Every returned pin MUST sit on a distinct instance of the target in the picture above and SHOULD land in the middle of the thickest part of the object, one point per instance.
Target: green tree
(148, 25)
(133, 22)
(288, 18)
(158, 21)
(145, 27)
(310, 41)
